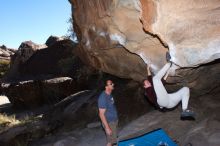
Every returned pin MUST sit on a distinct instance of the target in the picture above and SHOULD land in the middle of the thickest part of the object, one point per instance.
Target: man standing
(108, 113)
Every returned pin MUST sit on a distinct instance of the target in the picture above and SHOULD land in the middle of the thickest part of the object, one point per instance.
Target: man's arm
(104, 121)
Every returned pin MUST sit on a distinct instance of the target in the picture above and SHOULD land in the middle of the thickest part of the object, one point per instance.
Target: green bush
(4, 67)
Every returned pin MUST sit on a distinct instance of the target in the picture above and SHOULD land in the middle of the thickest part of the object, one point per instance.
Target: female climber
(157, 94)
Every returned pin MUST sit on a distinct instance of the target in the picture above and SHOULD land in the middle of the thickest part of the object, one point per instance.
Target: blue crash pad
(154, 138)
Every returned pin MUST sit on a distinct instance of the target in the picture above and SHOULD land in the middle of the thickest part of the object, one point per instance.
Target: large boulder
(6, 53)
(189, 28)
(53, 39)
(34, 61)
(5, 58)
(58, 59)
(127, 34)
(121, 37)
(35, 93)
(104, 34)
(24, 52)
(41, 75)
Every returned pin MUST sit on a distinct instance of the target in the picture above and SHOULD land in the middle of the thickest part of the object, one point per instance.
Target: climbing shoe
(187, 115)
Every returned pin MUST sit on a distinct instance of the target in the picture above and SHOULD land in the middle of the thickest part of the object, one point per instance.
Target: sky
(36, 20)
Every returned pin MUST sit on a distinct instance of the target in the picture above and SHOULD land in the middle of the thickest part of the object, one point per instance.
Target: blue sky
(36, 20)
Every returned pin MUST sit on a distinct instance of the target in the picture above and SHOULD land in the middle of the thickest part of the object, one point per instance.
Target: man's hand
(108, 131)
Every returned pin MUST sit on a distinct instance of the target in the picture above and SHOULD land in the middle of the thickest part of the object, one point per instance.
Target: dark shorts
(112, 138)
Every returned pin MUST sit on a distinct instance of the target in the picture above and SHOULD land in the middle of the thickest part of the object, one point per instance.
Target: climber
(157, 94)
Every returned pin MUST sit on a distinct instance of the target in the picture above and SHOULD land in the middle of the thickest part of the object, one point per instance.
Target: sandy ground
(84, 137)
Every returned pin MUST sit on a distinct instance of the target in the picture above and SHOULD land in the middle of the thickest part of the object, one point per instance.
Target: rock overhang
(149, 29)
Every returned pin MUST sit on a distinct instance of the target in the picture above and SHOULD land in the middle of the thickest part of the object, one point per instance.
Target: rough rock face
(108, 42)
(190, 28)
(56, 60)
(201, 80)
(25, 51)
(33, 61)
(5, 58)
(106, 29)
(38, 75)
(6, 53)
(34, 93)
(53, 39)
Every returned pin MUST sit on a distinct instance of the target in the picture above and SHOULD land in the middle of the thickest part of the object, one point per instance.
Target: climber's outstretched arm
(148, 70)
(167, 74)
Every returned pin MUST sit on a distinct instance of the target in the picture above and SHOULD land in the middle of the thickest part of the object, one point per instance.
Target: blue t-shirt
(106, 101)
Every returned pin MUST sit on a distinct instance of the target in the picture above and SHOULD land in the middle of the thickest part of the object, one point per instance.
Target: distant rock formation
(6, 53)
(53, 39)
(24, 52)
(20, 66)
(5, 58)
(40, 74)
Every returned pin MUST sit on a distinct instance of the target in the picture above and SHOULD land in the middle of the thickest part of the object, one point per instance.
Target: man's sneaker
(168, 57)
(187, 115)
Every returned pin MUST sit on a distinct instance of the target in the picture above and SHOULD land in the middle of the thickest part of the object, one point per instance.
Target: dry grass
(4, 62)
(8, 121)
(11, 121)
